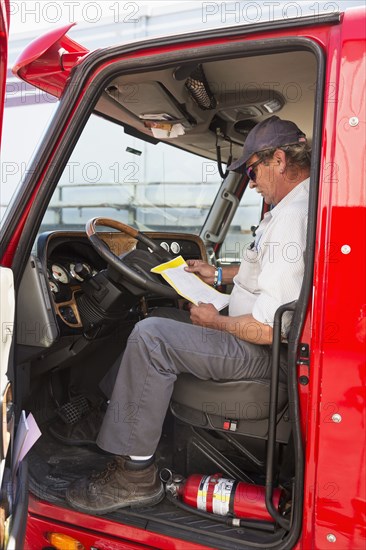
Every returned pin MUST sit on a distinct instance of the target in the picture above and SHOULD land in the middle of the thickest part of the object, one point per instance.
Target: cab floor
(53, 466)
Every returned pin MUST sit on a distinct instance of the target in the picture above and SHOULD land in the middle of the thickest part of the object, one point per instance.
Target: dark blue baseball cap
(268, 134)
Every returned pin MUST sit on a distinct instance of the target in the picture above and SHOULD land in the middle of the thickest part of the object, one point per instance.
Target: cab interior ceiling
(240, 89)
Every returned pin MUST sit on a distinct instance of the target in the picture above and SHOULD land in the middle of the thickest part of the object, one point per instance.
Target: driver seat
(235, 406)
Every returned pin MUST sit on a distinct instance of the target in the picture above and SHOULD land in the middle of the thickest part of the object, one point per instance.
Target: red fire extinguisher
(218, 495)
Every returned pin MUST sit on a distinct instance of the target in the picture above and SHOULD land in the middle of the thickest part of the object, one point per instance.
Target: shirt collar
(302, 186)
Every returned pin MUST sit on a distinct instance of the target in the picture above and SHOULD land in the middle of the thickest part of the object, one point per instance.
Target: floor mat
(53, 466)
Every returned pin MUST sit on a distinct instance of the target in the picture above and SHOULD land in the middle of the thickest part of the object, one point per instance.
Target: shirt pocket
(250, 269)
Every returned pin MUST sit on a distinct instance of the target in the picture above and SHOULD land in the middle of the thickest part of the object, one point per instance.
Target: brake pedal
(74, 410)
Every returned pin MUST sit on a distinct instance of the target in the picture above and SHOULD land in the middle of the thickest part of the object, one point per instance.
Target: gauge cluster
(65, 278)
(69, 261)
(64, 275)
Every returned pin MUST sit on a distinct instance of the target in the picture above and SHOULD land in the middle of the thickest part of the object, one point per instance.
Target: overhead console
(228, 115)
(199, 105)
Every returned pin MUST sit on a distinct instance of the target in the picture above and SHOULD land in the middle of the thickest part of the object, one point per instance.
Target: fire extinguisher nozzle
(166, 475)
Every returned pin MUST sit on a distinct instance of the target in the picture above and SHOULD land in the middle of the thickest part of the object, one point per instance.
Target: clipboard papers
(26, 435)
(189, 285)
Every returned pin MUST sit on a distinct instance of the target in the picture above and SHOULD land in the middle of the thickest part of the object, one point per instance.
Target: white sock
(140, 457)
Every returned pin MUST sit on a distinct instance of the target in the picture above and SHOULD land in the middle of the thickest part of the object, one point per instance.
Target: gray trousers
(158, 350)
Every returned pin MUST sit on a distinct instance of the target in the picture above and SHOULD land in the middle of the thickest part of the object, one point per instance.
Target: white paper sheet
(189, 285)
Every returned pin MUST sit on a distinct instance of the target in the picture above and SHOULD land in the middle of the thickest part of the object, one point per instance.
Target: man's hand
(244, 327)
(204, 271)
(205, 315)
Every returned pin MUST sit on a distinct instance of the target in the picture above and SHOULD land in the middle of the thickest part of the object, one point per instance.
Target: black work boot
(118, 486)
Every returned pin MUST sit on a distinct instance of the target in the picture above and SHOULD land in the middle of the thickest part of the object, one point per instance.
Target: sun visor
(154, 106)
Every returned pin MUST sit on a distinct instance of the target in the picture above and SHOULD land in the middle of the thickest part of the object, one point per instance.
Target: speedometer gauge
(59, 273)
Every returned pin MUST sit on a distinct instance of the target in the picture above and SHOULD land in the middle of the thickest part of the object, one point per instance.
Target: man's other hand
(204, 271)
(205, 315)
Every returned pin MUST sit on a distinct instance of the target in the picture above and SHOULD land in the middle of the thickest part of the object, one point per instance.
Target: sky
(28, 15)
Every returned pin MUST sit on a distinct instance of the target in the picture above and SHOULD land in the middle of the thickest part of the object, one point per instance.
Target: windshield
(114, 175)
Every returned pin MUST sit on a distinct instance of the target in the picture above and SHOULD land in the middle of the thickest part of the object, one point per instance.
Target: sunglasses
(250, 170)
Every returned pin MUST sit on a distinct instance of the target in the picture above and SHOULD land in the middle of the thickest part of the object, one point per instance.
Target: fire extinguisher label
(214, 495)
(221, 496)
(202, 493)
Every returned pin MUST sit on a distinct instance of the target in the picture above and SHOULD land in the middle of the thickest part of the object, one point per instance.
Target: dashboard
(72, 265)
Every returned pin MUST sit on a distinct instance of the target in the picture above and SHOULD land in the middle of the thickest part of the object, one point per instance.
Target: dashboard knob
(83, 272)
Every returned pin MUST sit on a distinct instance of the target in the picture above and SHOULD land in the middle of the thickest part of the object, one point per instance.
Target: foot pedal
(74, 410)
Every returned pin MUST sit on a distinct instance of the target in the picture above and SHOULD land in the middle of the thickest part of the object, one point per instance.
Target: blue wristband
(219, 276)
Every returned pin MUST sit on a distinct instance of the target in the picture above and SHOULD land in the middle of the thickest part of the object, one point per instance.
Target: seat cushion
(238, 399)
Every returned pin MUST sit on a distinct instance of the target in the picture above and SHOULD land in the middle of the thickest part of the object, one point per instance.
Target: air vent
(273, 105)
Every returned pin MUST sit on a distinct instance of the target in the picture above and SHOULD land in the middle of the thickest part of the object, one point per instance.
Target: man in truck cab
(203, 342)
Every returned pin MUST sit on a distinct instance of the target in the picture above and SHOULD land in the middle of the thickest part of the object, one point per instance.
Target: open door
(13, 503)
(4, 33)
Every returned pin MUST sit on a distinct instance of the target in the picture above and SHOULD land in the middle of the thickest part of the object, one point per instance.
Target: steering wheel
(135, 265)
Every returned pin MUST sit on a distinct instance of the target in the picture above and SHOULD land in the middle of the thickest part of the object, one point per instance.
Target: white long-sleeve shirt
(272, 271)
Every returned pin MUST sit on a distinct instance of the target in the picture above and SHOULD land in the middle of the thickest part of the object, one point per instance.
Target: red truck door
(14, 503)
